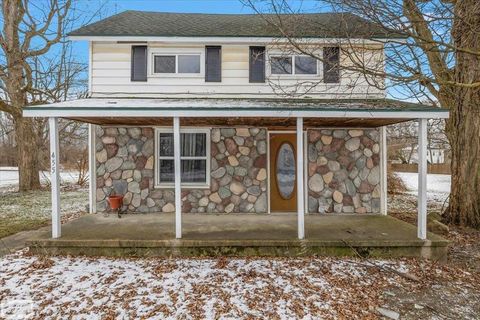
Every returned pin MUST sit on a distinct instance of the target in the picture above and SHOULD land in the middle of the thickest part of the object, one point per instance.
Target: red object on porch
(115, 202)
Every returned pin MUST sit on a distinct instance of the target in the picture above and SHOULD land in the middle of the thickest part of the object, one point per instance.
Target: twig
(405, 275)
(435, 311)
(444, 202)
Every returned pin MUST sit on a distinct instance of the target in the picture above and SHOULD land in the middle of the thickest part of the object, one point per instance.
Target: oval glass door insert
(285, 170)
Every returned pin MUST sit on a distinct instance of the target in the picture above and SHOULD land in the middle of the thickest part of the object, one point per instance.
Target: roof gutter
(234, 40)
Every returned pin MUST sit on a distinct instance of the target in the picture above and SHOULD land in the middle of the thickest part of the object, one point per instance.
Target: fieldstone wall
(344, 171)
(125, 164)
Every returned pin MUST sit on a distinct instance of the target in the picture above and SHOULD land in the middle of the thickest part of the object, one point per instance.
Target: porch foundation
(240, 235)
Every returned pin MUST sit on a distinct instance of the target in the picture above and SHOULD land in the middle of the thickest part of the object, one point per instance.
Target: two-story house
(219, 113)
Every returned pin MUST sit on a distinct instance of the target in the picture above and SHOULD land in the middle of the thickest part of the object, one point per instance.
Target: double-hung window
(293, 65)
(194, 157)
(165, 63)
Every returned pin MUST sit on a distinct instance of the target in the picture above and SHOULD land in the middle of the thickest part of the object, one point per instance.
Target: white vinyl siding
(111, 76)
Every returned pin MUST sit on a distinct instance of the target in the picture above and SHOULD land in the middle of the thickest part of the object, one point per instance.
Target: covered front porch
(153, 234)
(351, 118)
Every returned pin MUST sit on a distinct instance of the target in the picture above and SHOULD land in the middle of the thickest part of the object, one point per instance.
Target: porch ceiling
(270, 113)
(270, 123)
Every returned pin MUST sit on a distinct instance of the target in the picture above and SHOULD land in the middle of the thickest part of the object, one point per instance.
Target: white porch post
(92, 172)
(55, 178)
(383, 169)
(178, 176)
(300, 183)
(422, 179)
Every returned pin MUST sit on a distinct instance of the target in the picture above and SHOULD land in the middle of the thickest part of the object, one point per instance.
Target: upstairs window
(281, 65)
(176, 64)
(305, 65)
(293, 65)
(194, 157)
(164, 64)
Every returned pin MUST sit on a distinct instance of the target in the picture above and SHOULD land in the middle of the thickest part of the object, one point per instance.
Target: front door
(283, 189)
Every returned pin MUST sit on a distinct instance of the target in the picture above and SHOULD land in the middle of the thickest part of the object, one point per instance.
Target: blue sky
(212, 6)
(205, 6)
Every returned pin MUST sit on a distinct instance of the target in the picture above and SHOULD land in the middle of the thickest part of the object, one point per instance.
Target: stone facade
(344, 171)
(125, 164)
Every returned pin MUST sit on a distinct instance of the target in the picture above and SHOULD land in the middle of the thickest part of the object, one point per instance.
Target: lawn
(34, 287)
(20, 211)
(255, 288)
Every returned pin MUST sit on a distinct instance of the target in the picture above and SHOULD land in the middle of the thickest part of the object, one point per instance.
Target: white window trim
(292, 75)
(207, 157)
(175, 52)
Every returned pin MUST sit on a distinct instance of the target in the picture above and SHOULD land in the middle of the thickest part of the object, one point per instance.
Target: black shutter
(213, 64)
(257, 64)
(139, 63)
(331, 61)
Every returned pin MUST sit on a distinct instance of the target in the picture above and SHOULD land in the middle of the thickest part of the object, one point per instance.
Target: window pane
(166, 144)
(189, 64)
(167, 172)
(194, 144)
(305, 65)
(281, 65)
(164, 64)
(286, 170)
(194, 171)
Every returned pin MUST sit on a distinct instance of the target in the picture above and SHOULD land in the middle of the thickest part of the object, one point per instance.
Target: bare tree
(25, 36)
(438, 61)
(38, 66)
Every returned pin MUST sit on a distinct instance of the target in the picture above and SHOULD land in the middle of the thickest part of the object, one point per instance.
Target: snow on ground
(438, 185)
(99, 288)
(435, 182)
(9, 176)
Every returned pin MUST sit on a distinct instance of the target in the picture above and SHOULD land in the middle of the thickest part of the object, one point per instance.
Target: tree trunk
(27, 154)
(464, 123)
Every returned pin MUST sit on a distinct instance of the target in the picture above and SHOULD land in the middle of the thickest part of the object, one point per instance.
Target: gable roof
(163, 24)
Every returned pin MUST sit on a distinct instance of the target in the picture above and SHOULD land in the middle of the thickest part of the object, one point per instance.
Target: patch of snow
(97, 288)
(438, 185)
(435, 182)
(9, 176)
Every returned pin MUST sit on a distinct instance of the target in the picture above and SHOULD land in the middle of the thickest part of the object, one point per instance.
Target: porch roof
(223, 111)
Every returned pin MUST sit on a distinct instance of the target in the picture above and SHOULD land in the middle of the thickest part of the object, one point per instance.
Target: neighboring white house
(249, 123)
(434, 155)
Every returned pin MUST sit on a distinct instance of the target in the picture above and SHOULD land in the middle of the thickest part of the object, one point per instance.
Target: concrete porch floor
(237, 235)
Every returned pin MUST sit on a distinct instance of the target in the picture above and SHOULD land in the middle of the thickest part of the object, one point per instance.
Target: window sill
(294, 77)
(183, 186)
(176, 75)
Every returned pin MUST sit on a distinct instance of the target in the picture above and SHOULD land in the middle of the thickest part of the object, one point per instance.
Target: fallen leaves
(43, 262)
(251, 288)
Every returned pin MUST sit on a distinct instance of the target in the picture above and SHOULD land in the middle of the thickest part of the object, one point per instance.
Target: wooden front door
(283, 178)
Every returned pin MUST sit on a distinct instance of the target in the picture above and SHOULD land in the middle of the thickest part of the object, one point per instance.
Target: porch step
(430, 249)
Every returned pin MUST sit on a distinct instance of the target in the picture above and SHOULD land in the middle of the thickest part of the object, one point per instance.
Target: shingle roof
(236, 104)
(318, 25)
